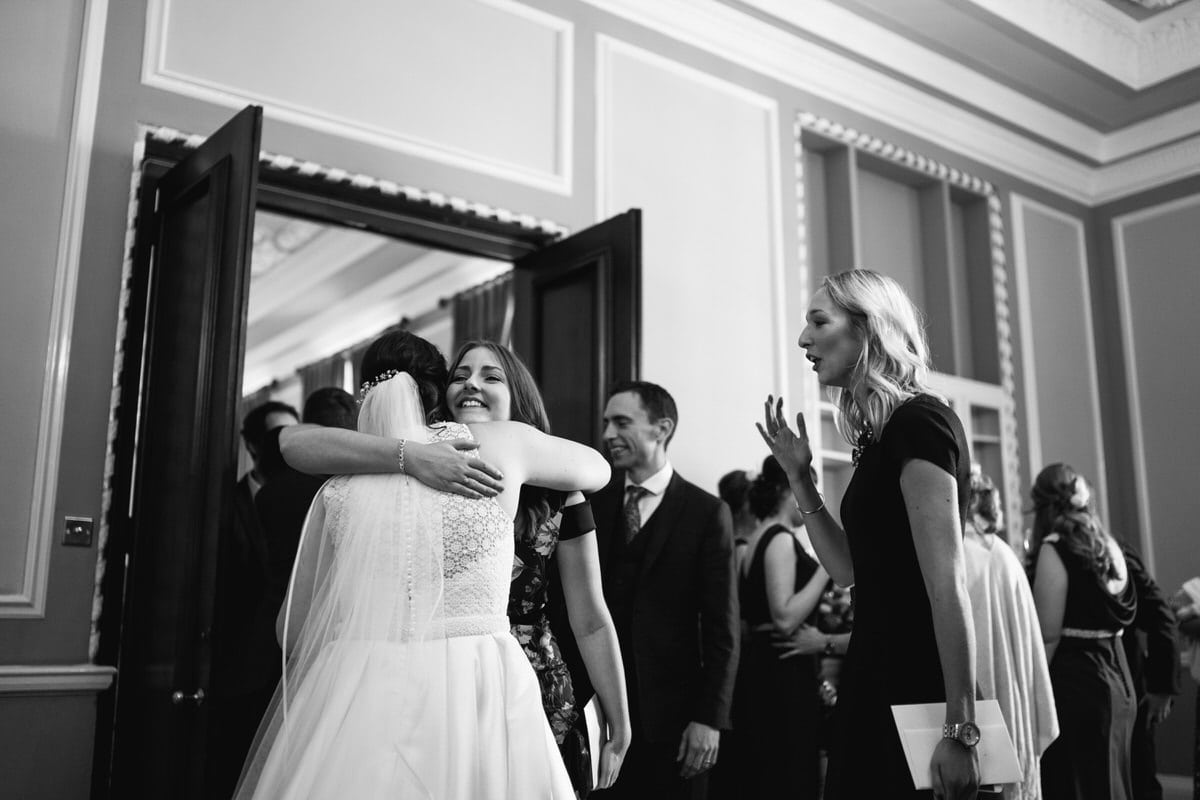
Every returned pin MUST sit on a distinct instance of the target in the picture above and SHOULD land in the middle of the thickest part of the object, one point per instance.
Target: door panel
(176, 439)
(578, 320)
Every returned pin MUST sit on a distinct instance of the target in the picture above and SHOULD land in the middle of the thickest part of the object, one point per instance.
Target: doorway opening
(201, 332)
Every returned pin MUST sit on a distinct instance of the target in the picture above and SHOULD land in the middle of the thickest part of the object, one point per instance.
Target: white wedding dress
(405, 682)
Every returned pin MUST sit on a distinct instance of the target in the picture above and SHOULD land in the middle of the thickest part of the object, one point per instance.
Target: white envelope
(593, 733)
(920, 727)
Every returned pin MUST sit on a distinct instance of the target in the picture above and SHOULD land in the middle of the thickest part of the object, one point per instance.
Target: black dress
(527, 616)
(773, 747)
(893, 655)
(1092, 690)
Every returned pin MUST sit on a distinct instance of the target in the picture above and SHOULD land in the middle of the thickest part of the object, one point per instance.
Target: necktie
(633, 514)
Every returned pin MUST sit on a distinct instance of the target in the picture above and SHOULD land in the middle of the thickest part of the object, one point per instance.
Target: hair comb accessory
(367, 386)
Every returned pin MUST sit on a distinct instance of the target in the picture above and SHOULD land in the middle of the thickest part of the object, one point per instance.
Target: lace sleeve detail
(334, 497)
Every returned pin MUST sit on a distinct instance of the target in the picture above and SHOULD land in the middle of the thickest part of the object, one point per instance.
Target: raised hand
(790, 448)
(453, 466)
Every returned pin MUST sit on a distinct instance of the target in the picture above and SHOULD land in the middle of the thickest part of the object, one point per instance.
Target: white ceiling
(318, 289)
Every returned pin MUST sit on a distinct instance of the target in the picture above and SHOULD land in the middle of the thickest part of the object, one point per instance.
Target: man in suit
(1152, 650)
(246, 657)
(666, 553)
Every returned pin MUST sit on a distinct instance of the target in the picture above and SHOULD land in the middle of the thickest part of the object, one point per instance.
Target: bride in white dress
(401, 677)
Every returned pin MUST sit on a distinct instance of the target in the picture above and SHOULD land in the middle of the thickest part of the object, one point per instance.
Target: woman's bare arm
(451, 466)
(931, 500)
(789, 609)
(592, 625)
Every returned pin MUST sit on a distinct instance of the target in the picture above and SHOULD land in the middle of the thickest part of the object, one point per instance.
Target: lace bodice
(476, 545)
(478, 541)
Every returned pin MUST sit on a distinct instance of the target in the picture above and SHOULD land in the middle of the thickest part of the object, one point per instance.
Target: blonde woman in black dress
(902, 544)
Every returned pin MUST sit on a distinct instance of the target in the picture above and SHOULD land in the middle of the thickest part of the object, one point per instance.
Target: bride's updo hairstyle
(894, 363)
(1062, 504)
(406, 352)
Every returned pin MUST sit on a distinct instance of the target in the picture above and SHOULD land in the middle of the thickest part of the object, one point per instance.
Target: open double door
(576, 325)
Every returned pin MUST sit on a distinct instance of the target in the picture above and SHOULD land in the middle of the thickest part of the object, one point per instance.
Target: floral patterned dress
(527, 615)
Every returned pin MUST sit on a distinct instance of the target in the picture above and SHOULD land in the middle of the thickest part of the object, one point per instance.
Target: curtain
(484, 312)
(319, 374)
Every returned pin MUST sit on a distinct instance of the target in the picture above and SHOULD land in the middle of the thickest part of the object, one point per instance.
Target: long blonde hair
(893, 365)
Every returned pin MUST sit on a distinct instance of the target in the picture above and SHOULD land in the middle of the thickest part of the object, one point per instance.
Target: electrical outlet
(78, 532)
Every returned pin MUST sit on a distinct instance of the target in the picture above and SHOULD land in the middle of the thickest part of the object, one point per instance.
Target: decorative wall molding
(782, 55)
(1020, 205)
(56, 679)
(1138, 53)
(156, 74)
(607, 49)
(30, 601)
(1164, 165)
(1141, 494)
(914, 161)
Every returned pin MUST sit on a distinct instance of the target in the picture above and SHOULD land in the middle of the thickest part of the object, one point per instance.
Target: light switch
(78, 532)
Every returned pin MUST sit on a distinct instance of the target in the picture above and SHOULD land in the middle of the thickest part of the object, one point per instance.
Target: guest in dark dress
(1084, 598)
(772, 750)
(902, 545)
(733, 488)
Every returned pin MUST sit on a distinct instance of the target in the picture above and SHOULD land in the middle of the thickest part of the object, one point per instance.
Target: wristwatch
(828, 649)
(965, 733)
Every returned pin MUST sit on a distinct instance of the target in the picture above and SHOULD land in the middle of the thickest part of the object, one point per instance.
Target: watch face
(968, 734)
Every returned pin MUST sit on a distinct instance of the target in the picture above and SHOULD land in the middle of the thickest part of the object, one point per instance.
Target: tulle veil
(366, 599)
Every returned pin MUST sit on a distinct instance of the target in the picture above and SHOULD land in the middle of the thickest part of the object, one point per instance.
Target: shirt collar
(657, 483)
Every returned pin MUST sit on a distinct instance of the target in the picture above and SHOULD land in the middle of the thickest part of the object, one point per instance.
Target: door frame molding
(302, 188)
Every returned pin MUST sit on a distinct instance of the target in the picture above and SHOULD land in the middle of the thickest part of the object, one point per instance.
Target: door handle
(179, 697)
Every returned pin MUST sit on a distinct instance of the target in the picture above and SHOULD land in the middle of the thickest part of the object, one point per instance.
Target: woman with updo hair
(772, 750)
(1084, 600)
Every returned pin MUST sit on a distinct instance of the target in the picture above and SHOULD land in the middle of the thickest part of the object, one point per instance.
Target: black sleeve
(576, 521)
(720, 622)
(919, 429)
(1155, 619)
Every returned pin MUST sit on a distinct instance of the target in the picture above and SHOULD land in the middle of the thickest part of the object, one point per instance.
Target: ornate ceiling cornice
(1136, 53)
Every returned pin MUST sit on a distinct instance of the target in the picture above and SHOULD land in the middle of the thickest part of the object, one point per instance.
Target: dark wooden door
(176, 438)
(578, 320)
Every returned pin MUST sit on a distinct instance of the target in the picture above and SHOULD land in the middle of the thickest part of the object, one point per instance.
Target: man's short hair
(655, 399)
(254, 424)
(332, 407)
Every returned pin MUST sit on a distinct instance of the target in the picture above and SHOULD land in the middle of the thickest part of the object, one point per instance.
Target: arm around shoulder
(548, 461)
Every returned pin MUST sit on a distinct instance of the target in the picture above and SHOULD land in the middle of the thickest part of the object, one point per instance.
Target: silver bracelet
(815, 510)
(400, 456)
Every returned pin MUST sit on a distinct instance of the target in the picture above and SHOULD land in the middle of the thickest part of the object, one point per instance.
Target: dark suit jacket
(1154, 670)
(246, 657)
(685, 613)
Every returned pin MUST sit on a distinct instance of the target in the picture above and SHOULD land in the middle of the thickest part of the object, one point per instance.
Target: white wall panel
(1057, 343)
(480, 84)
(1158, 282)
(701, 158)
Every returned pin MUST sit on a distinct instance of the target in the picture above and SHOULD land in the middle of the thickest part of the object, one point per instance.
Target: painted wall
(1152, 248)
(575, 114)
